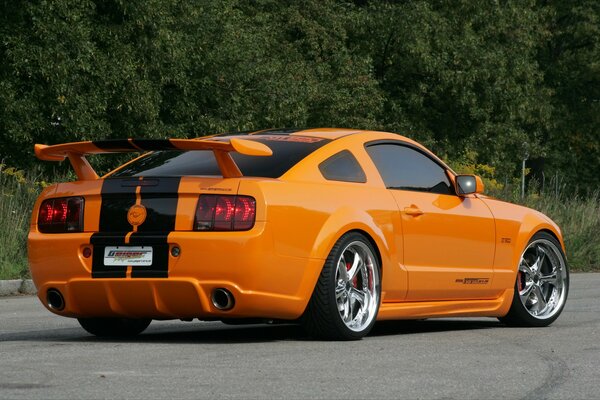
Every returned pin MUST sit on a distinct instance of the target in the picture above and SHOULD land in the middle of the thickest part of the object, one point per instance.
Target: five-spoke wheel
(542, 283)
(345, 301)
(356, 282)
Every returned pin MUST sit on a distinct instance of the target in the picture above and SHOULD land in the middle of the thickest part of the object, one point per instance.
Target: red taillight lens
(225, 213)
(245, 213)
(59, 212)
(61, 215)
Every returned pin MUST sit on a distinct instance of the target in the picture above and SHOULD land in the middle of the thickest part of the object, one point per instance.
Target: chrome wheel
(357, 283)
(542, 279)
(345, 300)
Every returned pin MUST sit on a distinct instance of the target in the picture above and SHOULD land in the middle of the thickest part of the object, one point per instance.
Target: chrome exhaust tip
(55, 300)
(222, 299)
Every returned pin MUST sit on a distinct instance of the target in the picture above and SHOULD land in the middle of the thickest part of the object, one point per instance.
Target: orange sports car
(334, 228)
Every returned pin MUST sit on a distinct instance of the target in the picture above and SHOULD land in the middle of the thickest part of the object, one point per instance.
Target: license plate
(128, 255)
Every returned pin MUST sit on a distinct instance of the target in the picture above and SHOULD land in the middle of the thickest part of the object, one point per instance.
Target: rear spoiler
(77, 151)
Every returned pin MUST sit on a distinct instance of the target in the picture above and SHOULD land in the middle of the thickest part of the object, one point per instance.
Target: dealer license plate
(128, 255)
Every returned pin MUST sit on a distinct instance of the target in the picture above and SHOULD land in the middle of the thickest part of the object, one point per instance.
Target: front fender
(533, 223)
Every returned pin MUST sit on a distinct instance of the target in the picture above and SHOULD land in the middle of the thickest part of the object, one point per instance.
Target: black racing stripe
(160, 255)
(99, 241)
(114, 144)
(160, 201)
(116, 199)
(279, 131)
(235, 133)
(153, 144)
(117, 195)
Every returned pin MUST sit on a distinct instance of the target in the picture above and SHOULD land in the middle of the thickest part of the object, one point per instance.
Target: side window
(404, 168)
(342, 167)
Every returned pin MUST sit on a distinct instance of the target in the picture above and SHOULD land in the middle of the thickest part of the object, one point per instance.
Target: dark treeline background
(491, 80)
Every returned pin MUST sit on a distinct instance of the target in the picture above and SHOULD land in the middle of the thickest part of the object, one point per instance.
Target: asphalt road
(48, 357)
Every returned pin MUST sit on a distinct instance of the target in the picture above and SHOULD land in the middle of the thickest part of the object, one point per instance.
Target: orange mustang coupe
(334, 228)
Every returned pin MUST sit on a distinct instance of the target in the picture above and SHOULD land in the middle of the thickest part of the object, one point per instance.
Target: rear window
(343, 167)
(287, 152)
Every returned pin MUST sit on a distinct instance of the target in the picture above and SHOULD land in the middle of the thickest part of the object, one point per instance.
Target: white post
(525, 157)
(523, 179)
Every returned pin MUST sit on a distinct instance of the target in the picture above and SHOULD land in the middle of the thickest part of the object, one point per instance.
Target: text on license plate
(128, 255)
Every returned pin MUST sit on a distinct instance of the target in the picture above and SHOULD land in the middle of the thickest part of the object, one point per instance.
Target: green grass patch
(18, 192)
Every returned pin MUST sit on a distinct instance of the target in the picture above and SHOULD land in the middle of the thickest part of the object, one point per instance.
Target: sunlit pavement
(48, 357)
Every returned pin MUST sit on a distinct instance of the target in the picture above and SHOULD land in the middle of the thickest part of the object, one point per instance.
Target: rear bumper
(166, 299)
(263, 283)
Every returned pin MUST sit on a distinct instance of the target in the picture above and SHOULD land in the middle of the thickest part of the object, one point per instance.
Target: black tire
(322, 318)
(518, 314)
(114, 327)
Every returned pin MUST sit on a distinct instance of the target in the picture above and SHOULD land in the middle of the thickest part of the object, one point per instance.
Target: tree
(461, 76)
(571, 63)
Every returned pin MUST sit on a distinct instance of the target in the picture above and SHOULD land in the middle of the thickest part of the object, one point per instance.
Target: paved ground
(48, 357)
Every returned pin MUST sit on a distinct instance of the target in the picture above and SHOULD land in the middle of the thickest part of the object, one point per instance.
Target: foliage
(494, 79)
(483, 83)
(570, 61)
(460, 75)
(466, 164)
(18, 192)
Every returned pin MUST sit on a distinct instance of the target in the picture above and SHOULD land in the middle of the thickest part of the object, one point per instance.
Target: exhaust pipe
(55, 300)
(222, 299)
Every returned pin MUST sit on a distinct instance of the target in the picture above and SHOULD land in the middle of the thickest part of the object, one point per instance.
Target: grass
(578, 217)
(18, 192)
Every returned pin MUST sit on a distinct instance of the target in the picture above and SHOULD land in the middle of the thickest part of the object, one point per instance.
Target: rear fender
(338, 224)
(393, 273)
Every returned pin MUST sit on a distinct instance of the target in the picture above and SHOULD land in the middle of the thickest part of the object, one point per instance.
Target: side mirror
(468, 184)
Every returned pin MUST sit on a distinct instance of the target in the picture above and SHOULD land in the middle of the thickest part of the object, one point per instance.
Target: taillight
(61, 215)
(225, 213)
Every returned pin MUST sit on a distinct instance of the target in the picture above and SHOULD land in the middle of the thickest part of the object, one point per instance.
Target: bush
(18, 191)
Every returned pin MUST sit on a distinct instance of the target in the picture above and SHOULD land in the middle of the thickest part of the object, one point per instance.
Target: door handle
(413, 210)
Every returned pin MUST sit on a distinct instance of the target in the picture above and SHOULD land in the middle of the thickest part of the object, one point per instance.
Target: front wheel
(114, 327)
(345, 301)
(542, 283)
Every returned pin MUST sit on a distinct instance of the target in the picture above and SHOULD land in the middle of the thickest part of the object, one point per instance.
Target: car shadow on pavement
(221, 333)
(217, 333)
(407, 327)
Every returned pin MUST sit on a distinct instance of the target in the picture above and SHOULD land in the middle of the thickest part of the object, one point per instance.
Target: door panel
(449, 246)
(448, 241)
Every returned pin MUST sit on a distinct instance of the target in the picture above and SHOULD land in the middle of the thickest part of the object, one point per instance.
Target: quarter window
(404, 168)
(344, 167)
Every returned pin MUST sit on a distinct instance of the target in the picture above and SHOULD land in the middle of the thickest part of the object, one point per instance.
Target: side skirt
(459, 308)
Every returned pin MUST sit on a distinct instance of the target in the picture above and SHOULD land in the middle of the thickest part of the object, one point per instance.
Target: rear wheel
(542, 283)
(345, 301)
(114, 327)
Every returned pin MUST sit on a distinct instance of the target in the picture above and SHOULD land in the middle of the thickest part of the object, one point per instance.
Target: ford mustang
(332, 228)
